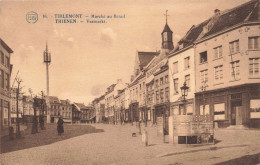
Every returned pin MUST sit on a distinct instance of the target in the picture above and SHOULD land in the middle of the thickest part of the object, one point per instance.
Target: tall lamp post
(184, 92)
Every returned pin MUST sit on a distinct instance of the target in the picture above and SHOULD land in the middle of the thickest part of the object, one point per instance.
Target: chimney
(119, 81)
(217, 11)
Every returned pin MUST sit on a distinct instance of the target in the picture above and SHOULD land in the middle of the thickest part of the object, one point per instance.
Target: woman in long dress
(60, 128)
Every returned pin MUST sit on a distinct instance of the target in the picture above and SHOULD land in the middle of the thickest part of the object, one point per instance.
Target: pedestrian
(60, 128)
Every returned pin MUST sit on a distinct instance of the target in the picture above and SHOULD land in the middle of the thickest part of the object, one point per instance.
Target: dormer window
(180, 45)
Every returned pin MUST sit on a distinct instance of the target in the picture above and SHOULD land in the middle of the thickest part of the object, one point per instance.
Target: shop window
(149, 114)
(255, 109)
(219, 111)
(204, 109)
(189, 109)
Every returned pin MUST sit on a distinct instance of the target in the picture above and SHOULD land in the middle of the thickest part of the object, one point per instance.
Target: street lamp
(184, 92)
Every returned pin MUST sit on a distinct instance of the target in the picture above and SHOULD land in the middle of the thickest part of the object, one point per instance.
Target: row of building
(218, 60)
(51, 108)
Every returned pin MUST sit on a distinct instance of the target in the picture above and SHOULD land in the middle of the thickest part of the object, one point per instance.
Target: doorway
(236, 113)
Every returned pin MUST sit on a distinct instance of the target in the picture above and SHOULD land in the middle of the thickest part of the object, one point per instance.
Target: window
(149, 114)
(187, 80)
(157, 96)
(254, 67)
(204, 76)
(175, 67)
(2, 57)
(161, 81)
(204, 109)
(253, 42)
(255, 105)
(187, 63)
(167, 94)
(7, 81)
(166, 79)
(156, 83)
(203, 57)
(218, 73)
(235, 71)
(140, 85)
(219, 111)
(175, 83)
(162, 95)
(7, 62)
(218, 52)
(2, 78)
(234, 47)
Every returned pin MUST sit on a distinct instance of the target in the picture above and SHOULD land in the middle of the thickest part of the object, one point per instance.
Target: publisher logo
(31, 17)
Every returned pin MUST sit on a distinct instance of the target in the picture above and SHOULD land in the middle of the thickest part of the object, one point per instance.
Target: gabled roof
(166, 28)
(229, 18)
(110, 89)
(53, 99)
(146, 57)
(81, 105)
(9, 50)
(65, 102)
(220, 21)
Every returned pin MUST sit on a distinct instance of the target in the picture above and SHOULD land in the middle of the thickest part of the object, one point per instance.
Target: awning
(149, 79)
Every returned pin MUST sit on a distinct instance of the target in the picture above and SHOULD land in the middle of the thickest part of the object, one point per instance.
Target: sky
(88, 57)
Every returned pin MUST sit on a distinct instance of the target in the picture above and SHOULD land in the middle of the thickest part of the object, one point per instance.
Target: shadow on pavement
(244, 160)
(44, 137)
(205, 149)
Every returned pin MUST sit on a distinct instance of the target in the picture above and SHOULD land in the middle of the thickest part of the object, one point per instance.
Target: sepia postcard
(129, 82)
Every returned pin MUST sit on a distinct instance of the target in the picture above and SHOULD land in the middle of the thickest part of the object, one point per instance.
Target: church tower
(167, 36)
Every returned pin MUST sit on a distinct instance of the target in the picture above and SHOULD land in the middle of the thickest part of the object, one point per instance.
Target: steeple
(167, 35)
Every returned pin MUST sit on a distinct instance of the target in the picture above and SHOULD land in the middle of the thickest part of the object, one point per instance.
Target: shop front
(236, 106)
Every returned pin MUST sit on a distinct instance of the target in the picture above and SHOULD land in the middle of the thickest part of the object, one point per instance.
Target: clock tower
(167, 36)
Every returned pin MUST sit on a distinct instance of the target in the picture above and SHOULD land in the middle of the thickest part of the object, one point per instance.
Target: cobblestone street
(117, 146)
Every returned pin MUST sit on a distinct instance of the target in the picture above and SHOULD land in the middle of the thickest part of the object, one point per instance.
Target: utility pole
(18, 133)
